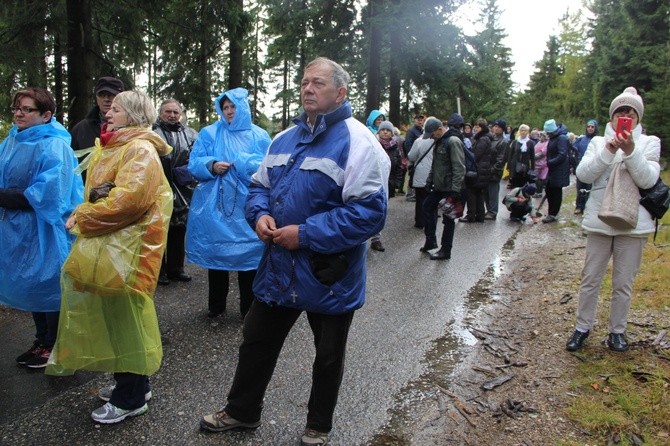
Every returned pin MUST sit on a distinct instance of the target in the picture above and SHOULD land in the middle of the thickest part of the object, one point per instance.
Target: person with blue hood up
(38, 190)
(375, 118)
(218, 237)
(580, 146)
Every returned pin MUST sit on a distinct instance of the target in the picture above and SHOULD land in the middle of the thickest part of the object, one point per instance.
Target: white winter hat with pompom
(629, 98)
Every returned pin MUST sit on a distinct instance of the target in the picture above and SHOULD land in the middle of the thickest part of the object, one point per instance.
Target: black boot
(442, 254)
(617, 342)
(429, 245)
(576, 341)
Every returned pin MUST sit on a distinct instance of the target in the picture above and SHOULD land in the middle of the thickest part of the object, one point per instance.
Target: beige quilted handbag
(621, 202)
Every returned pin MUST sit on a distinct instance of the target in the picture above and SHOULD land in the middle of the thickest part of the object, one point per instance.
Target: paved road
(411, 302)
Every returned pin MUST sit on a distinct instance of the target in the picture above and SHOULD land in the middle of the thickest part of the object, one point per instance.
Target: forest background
(404, 56)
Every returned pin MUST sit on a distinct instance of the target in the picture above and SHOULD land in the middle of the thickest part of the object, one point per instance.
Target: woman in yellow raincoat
(108, 320)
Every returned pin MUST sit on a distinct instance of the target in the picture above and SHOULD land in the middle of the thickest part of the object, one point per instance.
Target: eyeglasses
(24, 110)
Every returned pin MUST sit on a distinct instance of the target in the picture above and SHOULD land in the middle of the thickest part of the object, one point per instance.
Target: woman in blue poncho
(38, 191)
(218, 236)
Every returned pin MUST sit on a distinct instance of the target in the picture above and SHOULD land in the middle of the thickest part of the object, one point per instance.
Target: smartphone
(623, 123)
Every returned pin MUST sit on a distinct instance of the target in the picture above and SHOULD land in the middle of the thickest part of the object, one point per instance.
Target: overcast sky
(528, 25)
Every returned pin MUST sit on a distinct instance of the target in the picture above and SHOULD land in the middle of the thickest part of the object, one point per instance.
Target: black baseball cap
(110, 85)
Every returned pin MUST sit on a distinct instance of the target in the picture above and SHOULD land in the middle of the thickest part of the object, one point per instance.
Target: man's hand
(287, 237)
(265, 228)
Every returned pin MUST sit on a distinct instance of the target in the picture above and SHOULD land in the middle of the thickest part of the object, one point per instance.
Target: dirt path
(521, 332)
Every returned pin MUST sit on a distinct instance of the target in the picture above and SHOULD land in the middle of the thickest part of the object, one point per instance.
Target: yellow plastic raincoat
(108, 320)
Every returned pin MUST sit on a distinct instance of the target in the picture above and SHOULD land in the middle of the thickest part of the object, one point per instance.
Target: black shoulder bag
(656, 201)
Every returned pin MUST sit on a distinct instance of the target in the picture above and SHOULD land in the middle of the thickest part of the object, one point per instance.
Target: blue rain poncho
(34, 243)
(217, 234)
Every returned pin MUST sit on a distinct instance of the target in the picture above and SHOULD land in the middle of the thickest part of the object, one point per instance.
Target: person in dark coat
(476, 194)
(85, 131)
(521, 158)
(175, 166)
(559, 167)
(580, 146)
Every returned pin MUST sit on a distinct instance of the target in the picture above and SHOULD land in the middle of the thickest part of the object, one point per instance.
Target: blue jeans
(129, 391)
(46, 327)
(493, 198)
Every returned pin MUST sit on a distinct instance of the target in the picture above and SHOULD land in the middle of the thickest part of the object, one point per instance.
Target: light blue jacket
(331, 182)
(370, 122)
(34, 242)
(217, 234)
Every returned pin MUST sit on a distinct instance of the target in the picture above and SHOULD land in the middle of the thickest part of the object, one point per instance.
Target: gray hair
(137, 105)
(170, 101)
(340, 76)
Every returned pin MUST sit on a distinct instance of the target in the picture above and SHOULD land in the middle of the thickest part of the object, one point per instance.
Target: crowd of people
(291, 216)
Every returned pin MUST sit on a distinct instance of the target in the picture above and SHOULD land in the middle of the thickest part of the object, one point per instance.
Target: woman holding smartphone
(640, 154)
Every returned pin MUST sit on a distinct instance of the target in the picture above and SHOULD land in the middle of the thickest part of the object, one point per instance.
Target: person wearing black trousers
(559, 167)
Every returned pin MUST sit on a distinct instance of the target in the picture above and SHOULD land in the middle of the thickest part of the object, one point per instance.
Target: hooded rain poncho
(34, 242)
(218, 235)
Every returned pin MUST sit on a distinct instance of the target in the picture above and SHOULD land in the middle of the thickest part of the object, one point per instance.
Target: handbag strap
(432, 146)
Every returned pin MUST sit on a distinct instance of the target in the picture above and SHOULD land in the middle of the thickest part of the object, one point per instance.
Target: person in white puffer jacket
(640, 153)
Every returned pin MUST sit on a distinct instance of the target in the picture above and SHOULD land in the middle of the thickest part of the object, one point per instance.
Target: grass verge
(624, 398)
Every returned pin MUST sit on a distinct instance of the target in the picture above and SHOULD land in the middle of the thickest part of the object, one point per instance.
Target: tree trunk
(395, 57)
(284, 100)
(81, 60)
(58, 78)
(374, 57)
(236, 32)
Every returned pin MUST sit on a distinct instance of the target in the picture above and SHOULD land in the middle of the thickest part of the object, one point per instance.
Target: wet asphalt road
(411, 301)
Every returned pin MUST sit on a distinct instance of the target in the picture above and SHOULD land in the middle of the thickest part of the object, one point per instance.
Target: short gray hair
(170, 101)
(137, 105)
(340, 76)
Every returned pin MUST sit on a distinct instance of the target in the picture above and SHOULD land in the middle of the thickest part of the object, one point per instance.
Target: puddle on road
(444, 354)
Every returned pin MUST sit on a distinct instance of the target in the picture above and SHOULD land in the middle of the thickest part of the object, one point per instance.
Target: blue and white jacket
(331, 181)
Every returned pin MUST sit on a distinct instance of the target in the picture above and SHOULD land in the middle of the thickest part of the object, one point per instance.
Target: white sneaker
(105, 393)
(109, 413)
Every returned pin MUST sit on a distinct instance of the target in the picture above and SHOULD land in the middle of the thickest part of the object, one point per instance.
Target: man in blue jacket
(318, 196)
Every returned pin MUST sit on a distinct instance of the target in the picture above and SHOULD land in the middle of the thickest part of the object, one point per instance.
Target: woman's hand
(627, 144)
(71, 221)
(220, 167)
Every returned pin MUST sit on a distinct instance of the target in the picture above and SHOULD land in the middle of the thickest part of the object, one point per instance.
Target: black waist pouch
(328, 268)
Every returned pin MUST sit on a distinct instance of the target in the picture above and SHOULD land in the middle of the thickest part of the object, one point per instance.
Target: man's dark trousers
(265, 330)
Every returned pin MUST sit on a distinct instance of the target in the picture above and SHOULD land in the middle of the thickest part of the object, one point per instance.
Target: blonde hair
(524, 127)
(137, 105)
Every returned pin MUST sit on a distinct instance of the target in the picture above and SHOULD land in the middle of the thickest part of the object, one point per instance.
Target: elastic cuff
(303, 240)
